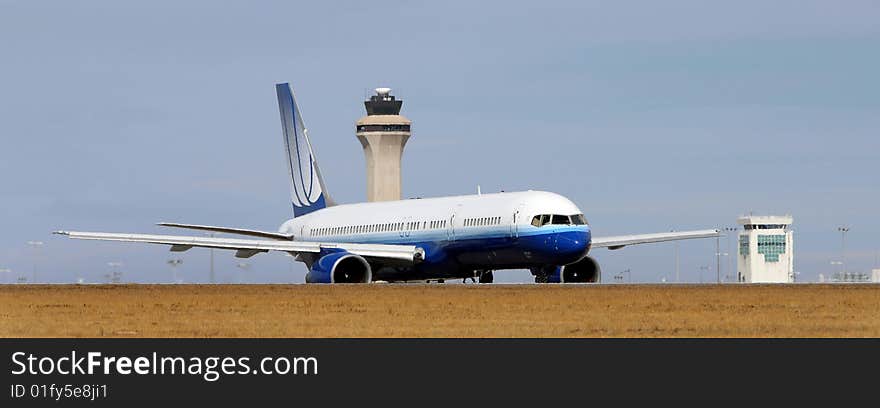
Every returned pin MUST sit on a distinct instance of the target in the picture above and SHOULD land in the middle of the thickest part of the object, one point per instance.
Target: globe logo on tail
(306, 186)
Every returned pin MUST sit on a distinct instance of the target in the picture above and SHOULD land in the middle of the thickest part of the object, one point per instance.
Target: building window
(744, 245)
(771, 246)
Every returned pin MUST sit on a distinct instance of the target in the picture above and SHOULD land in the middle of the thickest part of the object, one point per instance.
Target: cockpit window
(561, 219)
(578, 219)
(558, 219)
(541, 220)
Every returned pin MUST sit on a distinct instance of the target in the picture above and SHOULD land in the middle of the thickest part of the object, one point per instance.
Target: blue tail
(307, 192)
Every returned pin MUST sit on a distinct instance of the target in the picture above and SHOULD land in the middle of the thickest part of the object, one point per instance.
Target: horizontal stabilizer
(227, 230)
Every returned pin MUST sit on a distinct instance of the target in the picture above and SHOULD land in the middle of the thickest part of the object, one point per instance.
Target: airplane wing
(624, 240)
(246, 248)
(228, 230)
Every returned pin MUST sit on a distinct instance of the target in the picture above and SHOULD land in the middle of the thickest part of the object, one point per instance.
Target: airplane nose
(573, 242)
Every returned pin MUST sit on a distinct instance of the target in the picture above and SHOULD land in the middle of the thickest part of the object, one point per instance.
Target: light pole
(718, 258)
(843, 230)
(174, 263)
(677, 269)
(703, 268)
(36, 245)
(244, 266)
(211, 275)
(726, 276)
(730, 249)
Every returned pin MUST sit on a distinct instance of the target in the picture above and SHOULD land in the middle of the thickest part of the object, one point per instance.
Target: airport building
(383, 134)
(766, 251)
(855, 277)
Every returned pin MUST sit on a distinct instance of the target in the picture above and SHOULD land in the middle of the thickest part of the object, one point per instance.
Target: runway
(440, 310)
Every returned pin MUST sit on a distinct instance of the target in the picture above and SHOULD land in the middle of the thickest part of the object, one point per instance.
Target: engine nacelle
(340, 267)
(586, 270)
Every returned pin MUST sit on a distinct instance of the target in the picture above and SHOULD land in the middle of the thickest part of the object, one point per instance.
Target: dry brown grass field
(439, 310)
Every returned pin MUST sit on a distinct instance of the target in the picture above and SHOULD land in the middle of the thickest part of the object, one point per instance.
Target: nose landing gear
(485, 276)
(482, 276)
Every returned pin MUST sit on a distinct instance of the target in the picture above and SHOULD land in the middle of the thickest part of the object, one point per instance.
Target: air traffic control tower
(766, 253)
(383, 134)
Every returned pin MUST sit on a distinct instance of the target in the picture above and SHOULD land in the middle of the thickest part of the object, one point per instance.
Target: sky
(651, 116)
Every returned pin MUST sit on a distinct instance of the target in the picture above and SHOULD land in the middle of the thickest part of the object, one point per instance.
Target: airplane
(426, 239)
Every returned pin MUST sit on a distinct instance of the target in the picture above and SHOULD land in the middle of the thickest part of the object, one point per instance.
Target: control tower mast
(383, 134)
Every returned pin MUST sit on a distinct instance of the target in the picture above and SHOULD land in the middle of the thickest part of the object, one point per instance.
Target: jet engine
(340, 267)
(586, 270)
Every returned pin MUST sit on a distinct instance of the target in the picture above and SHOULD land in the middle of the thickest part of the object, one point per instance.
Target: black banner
(230, 372)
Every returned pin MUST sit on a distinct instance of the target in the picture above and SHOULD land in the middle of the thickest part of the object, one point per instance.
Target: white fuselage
(448, 218)
(491, 231)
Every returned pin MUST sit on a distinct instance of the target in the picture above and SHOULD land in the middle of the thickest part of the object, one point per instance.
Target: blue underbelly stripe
(437, 236)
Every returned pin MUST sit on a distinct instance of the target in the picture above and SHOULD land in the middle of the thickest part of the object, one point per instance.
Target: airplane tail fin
(307, 191)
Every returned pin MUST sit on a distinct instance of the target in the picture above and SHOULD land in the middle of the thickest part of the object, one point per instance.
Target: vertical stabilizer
(307, 191)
